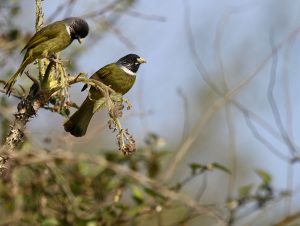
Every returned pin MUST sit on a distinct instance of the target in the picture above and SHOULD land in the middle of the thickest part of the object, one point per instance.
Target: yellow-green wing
(101, 74)
(104, 72)
(46, 33)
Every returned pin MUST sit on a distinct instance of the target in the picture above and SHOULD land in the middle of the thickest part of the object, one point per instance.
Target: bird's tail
(78, 123)
(9, 84)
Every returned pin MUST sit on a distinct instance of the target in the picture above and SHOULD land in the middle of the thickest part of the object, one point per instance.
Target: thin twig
(26, 109)
(185, 146)
(104, 10)
(185, 114)
(264, 141)
(99, 160)
(129, 44)
(228, 110)
(183, 149)
(38, 25)
(146, 16)
(289, 187)
(289, 220)
(273, 103)
(68, 4)
(286, 87)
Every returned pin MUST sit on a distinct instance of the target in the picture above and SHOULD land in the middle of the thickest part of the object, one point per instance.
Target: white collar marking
(68, 29)
(127, 71)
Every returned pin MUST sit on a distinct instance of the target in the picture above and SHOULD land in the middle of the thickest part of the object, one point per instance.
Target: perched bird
(120, 76)
(49, 40)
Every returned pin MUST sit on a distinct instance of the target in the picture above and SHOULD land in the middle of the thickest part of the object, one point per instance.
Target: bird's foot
(57, 60)
(8, 86)
(34, 80)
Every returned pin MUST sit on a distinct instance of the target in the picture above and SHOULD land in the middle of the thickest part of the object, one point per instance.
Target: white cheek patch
(68, 29)
(127, 71)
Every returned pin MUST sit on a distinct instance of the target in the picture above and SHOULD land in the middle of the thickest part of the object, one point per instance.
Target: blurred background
(220, 86)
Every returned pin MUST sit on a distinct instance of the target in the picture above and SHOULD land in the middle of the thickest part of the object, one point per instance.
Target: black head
(131, 62)
(79, 28)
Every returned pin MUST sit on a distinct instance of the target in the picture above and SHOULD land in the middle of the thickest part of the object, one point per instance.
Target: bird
(51, 39)
(120, 76)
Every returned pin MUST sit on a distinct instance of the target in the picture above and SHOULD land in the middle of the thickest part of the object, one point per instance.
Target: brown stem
(27, 108)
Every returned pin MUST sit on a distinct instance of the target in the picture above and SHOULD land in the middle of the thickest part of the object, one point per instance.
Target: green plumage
(46, 42)
(111, 75)
(49, 40)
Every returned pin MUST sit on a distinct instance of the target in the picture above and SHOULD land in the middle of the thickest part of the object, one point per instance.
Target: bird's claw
(8, 86)
(55, 60)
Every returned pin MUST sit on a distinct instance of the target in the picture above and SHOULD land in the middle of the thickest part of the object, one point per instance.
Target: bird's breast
(123, 83)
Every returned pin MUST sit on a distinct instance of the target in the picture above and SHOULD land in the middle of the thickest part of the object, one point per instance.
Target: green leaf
(195, 167)
(50, 222)
(15, 10)
(91, 223)
(221, 167)
(65, 112)
(117, 97)
(285, 193)
(99, 104)
(245, 190)
(265, 176)
(153, 193)
(133, 211)
(137, 195)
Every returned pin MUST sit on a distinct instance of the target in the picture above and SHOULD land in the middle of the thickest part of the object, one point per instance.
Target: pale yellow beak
(141, 60)
(80, 40)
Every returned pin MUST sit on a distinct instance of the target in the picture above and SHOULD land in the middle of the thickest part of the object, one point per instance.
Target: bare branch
(273, 103)
(146, 16)
(264, 141)
(183, 149)
(104, 10)
(99, 160)
(289, 220)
